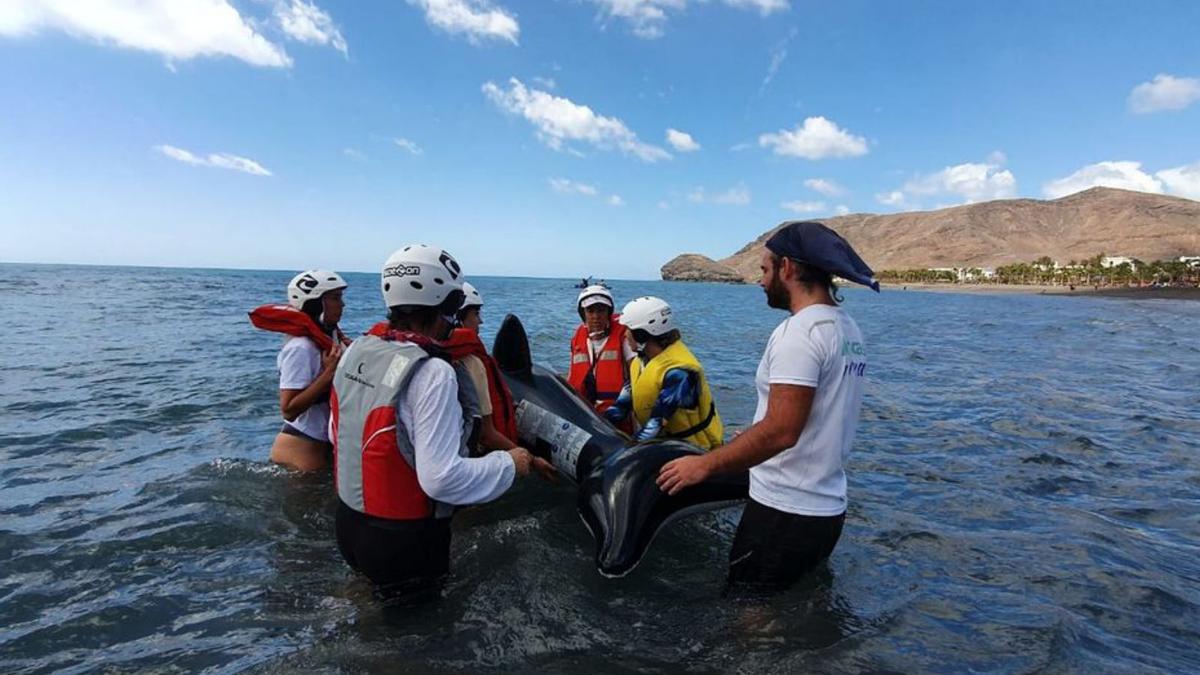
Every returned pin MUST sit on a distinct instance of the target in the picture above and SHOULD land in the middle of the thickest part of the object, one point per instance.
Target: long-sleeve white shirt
(430, 411)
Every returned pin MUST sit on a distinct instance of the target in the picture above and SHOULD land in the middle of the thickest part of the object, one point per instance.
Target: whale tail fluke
(511, 349)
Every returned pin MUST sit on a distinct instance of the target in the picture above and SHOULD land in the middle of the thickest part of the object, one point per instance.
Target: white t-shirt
(430, 411)
(820, 346)
(299, 364)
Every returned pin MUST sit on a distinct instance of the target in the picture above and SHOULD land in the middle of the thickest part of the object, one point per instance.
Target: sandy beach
(1147, 293)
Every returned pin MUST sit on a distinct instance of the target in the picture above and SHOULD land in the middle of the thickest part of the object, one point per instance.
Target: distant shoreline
(1145, 293)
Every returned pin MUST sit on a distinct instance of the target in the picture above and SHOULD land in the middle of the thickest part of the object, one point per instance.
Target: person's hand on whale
(524, 460)
(680, 473)
(544, 469)
(521, 460)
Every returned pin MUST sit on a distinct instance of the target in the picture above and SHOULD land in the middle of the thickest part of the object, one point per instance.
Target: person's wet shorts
(401, 557)
(293, 431)
(774, 548)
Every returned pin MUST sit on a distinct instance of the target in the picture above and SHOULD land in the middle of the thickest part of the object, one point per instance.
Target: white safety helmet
(648, 313)
(472, 299)
(312, 284)
(420, 275)
(595, 294)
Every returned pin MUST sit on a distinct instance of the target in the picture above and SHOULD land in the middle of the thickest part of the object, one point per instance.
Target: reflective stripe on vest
(374, 459)
(701, 426)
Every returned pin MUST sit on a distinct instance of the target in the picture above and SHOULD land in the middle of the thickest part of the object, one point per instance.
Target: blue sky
(561, 137)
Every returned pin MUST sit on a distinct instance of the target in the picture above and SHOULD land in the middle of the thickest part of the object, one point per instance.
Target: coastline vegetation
(1097, 271)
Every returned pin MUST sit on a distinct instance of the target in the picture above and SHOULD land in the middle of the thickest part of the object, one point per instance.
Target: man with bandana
(810, 385)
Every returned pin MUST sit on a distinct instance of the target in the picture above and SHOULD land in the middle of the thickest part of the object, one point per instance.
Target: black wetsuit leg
(401, 557)
(774, 548)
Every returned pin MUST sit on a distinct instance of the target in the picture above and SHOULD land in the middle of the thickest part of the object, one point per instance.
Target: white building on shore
(1117, 260)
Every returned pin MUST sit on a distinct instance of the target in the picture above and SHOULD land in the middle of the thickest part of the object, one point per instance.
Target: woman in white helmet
(402, 428)
(668, 394)
(306, 371)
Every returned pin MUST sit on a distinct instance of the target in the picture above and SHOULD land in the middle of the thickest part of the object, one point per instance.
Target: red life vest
(463, 342)
(291, 321)
(609, 370)
(374, 460)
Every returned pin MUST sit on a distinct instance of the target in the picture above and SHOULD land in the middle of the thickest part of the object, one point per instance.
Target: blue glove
(653, 426)
(614, 414)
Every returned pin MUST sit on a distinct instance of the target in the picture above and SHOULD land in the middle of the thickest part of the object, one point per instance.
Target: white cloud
(764, 7)
(825, 187)
(307, 23)
(353, 154)
(778, 56)
(567, 186)
(546, 83)
(477, 19)
(970, 182)
(1124, 175)
(1164, 92)
(408, 146)
(1182, 180)
(220, 160)
(648, 18)
(559, 120)
(804, 207)
(841, 209)
(681, 141)
(894, 198)
(738, 195)
(176, 29)
(816, 138)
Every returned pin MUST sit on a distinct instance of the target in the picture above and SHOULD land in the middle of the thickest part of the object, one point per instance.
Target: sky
(561, 138)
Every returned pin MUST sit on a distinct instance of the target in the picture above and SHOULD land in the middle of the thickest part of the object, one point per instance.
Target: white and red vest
(374, 459)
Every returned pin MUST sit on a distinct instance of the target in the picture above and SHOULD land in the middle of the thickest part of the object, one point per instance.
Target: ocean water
(1025, 495)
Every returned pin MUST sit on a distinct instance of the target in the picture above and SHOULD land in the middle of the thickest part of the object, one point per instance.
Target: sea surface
(1024, 495)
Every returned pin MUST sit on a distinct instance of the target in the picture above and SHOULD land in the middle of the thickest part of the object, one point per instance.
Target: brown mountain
(1099, 220)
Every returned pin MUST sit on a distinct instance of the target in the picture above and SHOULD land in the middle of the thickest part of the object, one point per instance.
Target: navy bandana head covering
(814, 244)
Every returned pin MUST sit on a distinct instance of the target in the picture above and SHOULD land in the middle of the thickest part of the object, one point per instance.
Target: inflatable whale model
(619, 500)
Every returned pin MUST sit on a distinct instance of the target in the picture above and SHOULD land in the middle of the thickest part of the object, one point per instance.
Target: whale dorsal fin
(511, 348)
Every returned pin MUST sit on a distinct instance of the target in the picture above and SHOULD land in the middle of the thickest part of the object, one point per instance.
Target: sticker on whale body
(566, 440)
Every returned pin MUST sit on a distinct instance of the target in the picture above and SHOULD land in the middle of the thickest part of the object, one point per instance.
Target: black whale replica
(619, 500)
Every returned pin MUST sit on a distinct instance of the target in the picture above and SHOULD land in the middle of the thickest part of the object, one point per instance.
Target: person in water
(498, 429)
(403, 425)
(810, 387)
(600, 355)
(305, 373)
(667, 392)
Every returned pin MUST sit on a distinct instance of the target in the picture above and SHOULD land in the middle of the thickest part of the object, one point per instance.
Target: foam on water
(1025, 494)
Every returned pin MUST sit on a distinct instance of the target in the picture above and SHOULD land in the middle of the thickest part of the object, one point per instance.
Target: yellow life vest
(646, 380)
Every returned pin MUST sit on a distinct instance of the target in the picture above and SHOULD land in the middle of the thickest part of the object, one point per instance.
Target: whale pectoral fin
(510, 349)
(621, 502)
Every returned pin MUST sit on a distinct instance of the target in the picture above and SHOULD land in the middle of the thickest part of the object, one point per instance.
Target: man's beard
(778, 296)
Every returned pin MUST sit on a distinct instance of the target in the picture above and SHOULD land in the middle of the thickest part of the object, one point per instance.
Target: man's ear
(787, 268)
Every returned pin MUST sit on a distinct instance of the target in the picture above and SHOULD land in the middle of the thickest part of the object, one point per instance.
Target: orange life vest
(599, 381)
